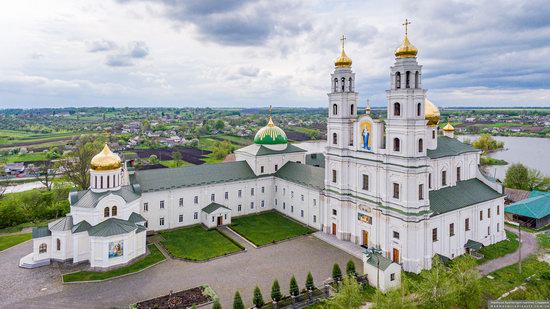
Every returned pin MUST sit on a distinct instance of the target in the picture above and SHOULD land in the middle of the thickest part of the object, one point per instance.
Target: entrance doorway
(220, 220)
(365, 238)
(334, 229)
(395, 258)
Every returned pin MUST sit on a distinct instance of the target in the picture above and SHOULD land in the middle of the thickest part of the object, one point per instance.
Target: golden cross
(406, 24)
(343, 39)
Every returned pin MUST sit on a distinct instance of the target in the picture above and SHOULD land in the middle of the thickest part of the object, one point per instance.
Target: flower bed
(183, 299)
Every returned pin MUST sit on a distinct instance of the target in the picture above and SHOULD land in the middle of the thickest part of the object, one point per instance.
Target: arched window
(396, 109)
(418, 109)
(396, 144)
(398, 80)
(106, 212)
(352, 109)
(350, 84)
(43, 248)
(420, 145)
(335, 109)
(114, 211)
(433, 134)
(334, 138)
(335, 84)
(408, 79)
(58, 244)
(416, 80)
(343, 84)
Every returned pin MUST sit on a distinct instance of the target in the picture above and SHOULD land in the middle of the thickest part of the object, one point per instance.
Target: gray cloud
(138, 49)
(125, 58)
(249, 71)
(100, 46)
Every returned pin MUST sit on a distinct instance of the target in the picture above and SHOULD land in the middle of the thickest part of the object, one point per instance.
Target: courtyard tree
(466, 281)
(238, 301)
(276, 291)
(46, 174)
(217, 304)
(76, 164)
(258, 299)
(336, 272)
(309, 282)
(294, 289)
(436, 288)
(348, 296)
(398, 298)
(350, 268)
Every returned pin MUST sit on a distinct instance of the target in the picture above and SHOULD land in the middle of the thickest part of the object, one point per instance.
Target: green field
(198, 244)
(8, 241)
(268, 227)
(13, 137)
(26, 157)
(172, 163)
(154, 257)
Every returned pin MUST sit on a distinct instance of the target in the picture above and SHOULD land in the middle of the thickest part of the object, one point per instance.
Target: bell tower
(342, 110)
(406, 123)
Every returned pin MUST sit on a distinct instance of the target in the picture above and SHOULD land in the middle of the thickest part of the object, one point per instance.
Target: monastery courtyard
(43, 287)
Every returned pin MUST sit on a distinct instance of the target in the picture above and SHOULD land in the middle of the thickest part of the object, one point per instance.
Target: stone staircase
(28, 262)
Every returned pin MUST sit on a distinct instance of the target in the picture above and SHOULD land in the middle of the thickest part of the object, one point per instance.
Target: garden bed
(198, 296)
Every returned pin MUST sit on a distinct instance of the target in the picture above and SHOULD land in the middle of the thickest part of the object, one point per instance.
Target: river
(533, 152)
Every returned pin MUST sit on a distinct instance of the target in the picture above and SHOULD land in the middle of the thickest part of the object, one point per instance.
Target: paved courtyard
(23, 288)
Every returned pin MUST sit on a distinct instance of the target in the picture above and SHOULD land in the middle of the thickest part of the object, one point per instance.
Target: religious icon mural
(366, 134)
(116, 248)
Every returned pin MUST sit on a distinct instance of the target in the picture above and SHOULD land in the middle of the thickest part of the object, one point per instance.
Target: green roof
(270, 135)
(213, 207)
(307, 175)
(89, 198)
(135, 218)
(537, 206)
(315, 159)
(111, 227)
(81, 226)
(290, 148)
(379, 261)
(447, 146)
(63, 224)
(38, 232)
(199, 175)
(474, 245)
(465, 193)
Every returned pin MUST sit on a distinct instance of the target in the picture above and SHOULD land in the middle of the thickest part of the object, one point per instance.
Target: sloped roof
(537, 206)
(135, 218)
(474, 245)
(447, 146)
(81, 226)
(63, 224)
(111, 227)
(307, 175)
(465, 193)
(213, 207)
(315, 159)
(379, 261)
(199, 175)
(261, 150)
(89, 198)
(516, 195)
(38, 232)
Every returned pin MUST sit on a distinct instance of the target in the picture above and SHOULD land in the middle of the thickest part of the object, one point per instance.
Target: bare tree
(3, 185)
(76, 165)
(47, 173)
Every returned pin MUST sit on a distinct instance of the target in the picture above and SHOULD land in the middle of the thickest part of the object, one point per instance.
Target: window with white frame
(161, 221)
(181, 201)
(161, 204)
(181, 218)
(145, 206)
(196, 199)
(196, 215)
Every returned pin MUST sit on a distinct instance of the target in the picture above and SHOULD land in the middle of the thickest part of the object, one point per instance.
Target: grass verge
(8, 241)
(154, 257)
(499, 249)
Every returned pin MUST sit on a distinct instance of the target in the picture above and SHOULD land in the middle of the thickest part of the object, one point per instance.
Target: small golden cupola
(343, 61)
(406, 50)
(448, 127)
(431, 113)
(106, 160)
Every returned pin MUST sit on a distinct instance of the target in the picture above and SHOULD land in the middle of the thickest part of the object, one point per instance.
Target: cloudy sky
(234, 53)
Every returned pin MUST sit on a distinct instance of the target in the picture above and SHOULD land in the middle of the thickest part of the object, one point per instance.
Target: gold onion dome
(343, 61)
(449, 127)
(431, 113)
(106, 160)
(406, 50)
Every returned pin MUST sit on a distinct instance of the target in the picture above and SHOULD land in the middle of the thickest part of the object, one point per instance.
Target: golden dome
(406, 50)
(343, 61)
(106, 160)
(449, 127)
(431, 113)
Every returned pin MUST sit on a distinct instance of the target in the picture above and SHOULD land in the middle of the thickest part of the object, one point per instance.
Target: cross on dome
(406, 24)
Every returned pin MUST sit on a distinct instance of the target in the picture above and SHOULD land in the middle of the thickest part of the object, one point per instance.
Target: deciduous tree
(348, 296)
(76, 165)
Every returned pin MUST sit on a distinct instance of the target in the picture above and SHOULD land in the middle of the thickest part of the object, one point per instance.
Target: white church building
(396, 184)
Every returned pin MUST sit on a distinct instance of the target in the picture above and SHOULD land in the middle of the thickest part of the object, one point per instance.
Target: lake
(532, 152)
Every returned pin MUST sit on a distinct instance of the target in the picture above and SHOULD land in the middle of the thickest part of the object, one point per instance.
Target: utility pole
(519, 251)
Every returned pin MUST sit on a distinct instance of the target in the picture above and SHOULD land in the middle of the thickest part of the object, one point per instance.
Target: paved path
(529, 246)
(346, 246)
(236, 237)
(21, 288)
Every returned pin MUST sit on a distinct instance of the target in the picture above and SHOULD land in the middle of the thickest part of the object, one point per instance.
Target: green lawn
(198, 244)
(267, 227)
(172, 163)
(26, 157)
(154, 256)
(500, 249)
(12, 240)
(544, 240)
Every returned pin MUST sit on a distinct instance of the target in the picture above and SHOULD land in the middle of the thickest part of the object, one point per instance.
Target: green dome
(270, 135)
